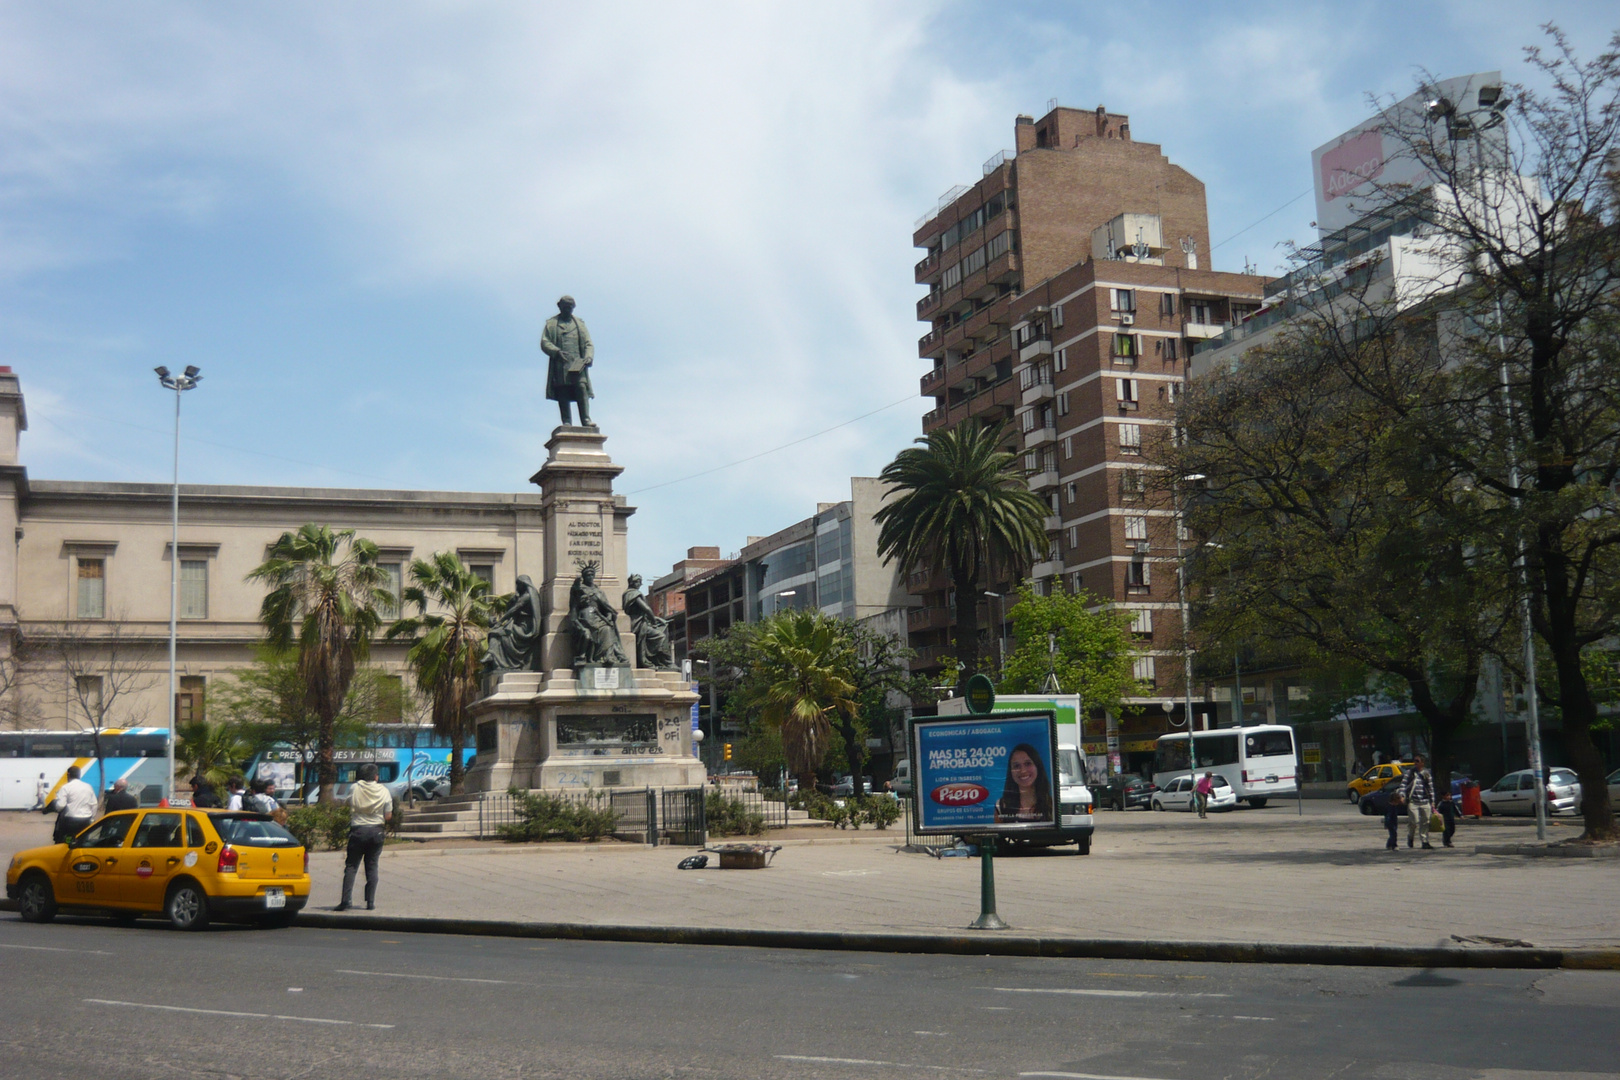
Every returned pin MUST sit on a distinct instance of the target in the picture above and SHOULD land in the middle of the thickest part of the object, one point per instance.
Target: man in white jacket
(370, 806)
(75, 804)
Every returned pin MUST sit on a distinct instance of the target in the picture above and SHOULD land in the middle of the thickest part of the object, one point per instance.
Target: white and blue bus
(137, 755)
(407, 756)
(1258, 761)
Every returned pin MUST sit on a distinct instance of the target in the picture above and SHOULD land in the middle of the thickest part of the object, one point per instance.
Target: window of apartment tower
(1072, 490)
(189, 704)
(1135, 527)
(1075, 583)
(1074, 537)
(1049, 459)
(194, 588)
(1057, 315)
(1125, 348)
(1063, 403)
(1127, 392)
(1046, 416)
(1142, 622)
(1068, 446)
(1130, 438)
(1167, 303)
(1143, 671)
(91, 602)
(1122, 301)
(1060, 360)
(1131, 485)
(1170, 349)
(1026, 420)
(1198, 311)
(1138, 577)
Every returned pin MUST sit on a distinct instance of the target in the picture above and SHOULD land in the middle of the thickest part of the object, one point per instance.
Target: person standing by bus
(370, 807)
(1202, 790)
(76, 805)
(42, 791)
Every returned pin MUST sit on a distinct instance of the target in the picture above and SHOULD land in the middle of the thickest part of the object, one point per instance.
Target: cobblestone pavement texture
(1250, 876)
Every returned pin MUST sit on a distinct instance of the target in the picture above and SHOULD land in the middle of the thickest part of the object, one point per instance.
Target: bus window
(1171, 755)
(1217, 750)
(387, 772)
(1268, 744)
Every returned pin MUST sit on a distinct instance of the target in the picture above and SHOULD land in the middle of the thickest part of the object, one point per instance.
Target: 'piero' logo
(959, 794)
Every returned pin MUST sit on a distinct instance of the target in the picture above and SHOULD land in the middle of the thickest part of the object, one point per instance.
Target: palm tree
(326, 607)
(803, 671)
(213, 752)
(448, 636)
(960, 504)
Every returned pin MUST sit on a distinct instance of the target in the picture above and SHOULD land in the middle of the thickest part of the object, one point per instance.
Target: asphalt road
(85, 999)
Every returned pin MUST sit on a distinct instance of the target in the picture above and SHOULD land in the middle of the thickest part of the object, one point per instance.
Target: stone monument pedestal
(591, 727)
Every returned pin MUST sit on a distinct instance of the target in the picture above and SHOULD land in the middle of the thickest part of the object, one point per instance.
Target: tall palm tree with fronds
(326, 590)
(960, 504)
(804, 675)
(449, 635)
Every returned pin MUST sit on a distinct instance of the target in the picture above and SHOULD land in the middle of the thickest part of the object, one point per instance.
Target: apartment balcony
(933, 418)
(1047, 569)
(1041, 480)
(1039, 436)
(928, 343)
(925, 268)
(1041, 391)
(1042, 347)
(932, 383)
(928, 618)
(929, 303)
(1054, 523)
(1203, 331)
(931, 656)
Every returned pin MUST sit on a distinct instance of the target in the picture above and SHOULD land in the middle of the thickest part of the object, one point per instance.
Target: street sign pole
(988, 919)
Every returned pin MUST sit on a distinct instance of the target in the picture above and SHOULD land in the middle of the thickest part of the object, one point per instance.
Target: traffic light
(727, 752)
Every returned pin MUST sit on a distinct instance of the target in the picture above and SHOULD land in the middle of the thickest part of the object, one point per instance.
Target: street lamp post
(179, 384)
(1001, 631)
(1186, 622)
(1462, 125)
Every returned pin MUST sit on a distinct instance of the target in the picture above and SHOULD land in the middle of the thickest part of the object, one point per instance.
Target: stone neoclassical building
(84, 590)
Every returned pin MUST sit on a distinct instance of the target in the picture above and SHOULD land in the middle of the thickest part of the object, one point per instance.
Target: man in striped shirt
(1417, 791)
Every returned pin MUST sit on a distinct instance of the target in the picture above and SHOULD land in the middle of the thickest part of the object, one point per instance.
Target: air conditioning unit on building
(1141, 547)
(1127, 318)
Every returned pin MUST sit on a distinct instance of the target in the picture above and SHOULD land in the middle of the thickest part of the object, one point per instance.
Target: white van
(901, 784)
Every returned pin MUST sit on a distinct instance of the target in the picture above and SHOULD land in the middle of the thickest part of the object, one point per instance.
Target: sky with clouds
(355, 217)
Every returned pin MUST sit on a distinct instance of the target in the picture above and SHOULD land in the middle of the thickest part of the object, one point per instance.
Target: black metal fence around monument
(657, 815)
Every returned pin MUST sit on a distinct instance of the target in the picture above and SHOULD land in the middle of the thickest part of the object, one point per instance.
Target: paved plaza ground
(1246, 876)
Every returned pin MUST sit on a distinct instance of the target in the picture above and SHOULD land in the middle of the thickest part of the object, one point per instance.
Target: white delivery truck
(1076, 817)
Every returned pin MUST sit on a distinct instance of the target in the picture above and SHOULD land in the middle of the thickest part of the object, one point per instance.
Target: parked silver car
(1515, 793)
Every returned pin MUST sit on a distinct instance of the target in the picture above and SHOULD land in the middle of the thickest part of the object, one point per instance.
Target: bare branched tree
(103, 670)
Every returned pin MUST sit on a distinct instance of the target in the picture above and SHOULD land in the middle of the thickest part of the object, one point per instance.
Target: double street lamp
(179, 384)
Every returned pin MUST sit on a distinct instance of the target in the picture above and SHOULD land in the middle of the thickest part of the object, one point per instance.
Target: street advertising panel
(985, 774)
(1361, 170)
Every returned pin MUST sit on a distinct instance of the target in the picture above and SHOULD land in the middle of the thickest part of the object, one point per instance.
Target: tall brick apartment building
(1064, 289)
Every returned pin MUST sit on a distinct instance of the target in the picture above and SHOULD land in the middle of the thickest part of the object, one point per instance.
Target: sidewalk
(1249, 876)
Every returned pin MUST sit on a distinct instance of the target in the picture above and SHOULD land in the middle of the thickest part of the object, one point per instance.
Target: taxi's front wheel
(36, 901)
(187, 906)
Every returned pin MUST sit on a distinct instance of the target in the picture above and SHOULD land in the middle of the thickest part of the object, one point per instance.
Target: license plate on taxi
(275, 898)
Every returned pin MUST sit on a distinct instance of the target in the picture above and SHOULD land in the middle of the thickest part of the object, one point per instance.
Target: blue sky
(356, 217)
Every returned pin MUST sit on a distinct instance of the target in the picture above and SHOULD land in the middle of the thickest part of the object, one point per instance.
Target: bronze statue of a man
(567, 344)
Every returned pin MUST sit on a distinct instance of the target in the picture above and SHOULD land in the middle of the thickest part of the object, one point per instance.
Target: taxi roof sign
(980, 695)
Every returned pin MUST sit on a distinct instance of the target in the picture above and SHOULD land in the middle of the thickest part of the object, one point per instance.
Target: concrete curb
(989, 944)
(1551, 849)
(980, 943)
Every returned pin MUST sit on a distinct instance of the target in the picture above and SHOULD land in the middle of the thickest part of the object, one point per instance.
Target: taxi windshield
(252, 830)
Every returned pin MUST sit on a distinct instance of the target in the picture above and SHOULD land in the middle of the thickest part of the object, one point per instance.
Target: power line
(1273, 214)
(774, 449)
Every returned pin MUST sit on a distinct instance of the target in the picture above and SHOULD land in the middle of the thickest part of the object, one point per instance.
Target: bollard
(988, 919)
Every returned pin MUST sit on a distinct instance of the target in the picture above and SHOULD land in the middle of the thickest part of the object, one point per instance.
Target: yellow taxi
(186, 865)
(1374, 778)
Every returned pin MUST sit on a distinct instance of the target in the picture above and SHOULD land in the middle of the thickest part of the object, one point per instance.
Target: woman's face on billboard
(1024, 770)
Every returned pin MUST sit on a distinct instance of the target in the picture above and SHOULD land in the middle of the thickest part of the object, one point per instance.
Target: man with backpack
(1417, 792)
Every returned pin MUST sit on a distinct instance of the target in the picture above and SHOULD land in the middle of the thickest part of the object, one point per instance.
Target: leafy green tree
(448, 637)
(1094, 654)
(267, 705)
(960, 504)
(326, 591)
(885, 689)
(800, 679)
(212, 751)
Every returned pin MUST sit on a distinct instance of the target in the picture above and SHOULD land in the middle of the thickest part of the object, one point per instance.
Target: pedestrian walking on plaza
(1201, 793)
(1450, 812)
(119, 797)
(42, 791)
(234, 801)
(1417, 792)
(370, 806)
(75, 805)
